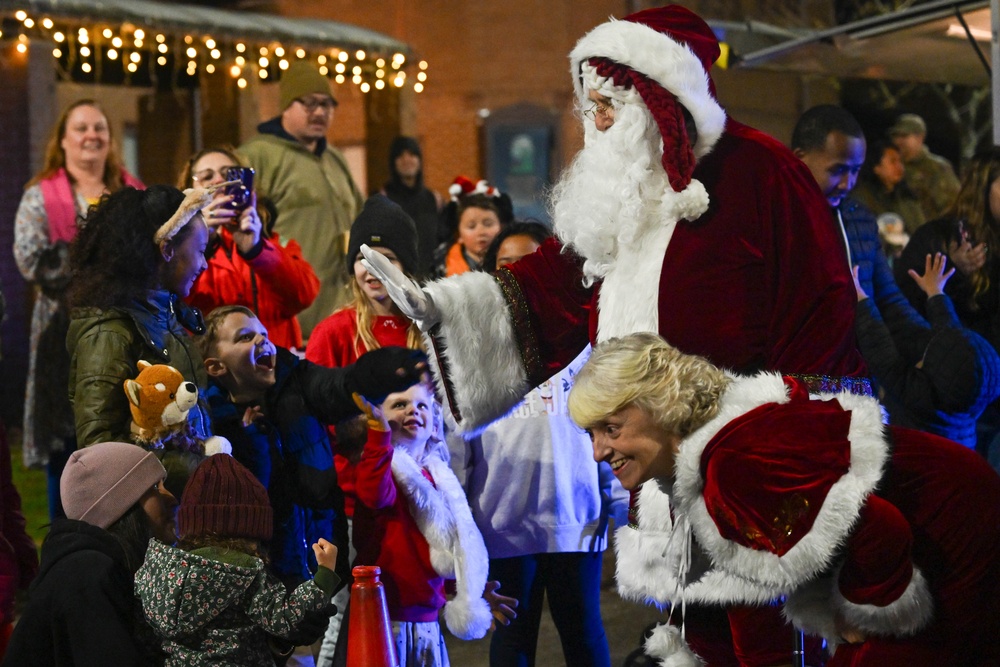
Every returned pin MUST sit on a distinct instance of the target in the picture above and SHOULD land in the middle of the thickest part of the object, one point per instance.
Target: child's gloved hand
(502, 606)
(326, 554)
(376, 420)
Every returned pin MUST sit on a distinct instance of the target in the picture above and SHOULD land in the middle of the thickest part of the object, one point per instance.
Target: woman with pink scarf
(80, 167)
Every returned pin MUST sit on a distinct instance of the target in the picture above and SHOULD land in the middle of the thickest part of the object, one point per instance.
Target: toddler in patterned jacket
(212, 600)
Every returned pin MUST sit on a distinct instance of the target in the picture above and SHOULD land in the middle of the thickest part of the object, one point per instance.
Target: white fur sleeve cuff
(475, 355)
(905, 616)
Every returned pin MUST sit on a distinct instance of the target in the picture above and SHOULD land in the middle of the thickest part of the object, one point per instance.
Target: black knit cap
(383, 223)
(400, 144)
(224, 499)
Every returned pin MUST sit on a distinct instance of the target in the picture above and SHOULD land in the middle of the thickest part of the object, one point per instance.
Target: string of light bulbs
(94, 50)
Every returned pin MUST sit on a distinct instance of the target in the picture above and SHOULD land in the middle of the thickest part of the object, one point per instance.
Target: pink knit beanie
(101, 482)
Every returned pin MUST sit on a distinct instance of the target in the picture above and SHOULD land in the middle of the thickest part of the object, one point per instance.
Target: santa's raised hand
(411, 299)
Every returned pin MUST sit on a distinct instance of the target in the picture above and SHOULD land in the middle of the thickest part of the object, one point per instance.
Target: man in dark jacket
(406, 187)
(831, 143)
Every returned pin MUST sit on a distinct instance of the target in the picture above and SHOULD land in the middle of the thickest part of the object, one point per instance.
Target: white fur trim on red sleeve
(476, 337)
(904, 616)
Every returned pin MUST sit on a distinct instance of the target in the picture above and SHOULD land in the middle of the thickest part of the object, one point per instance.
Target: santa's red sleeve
(501, 335)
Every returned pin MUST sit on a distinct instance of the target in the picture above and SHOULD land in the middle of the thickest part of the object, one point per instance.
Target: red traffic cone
(369, 635)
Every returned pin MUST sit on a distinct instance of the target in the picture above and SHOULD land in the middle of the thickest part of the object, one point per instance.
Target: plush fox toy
(160, 399)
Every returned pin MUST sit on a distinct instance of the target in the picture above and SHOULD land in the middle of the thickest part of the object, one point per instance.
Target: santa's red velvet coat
(759, 282)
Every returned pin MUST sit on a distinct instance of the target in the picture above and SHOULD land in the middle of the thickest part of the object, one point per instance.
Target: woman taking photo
(969, 235)
(80, 166)
(248, 264)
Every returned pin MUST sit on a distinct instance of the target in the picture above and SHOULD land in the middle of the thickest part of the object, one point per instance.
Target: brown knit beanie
(224, 499)
(301, 79)
(102, 482)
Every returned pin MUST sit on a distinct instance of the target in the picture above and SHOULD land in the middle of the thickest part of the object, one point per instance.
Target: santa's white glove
(415, 302)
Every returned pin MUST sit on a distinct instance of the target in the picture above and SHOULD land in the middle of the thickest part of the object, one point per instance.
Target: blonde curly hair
(680, 391)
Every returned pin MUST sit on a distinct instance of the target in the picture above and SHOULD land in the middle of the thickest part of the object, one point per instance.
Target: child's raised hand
(326, 553)
(935, 277)
(251, 415)
(376, 420)
(857, 284)
(501, 606)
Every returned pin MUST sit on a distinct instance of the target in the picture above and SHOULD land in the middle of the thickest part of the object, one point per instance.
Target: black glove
(309, 630)
(385, 371)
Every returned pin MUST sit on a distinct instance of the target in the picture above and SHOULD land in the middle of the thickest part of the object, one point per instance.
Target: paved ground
(624, 623)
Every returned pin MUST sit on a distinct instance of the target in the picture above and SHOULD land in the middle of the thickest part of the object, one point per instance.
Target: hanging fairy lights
(94, 50)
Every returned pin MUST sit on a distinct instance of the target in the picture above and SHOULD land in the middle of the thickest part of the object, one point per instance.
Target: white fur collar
(456, 545)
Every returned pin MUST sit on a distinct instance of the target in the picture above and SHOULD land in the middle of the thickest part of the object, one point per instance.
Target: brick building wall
(483, 55)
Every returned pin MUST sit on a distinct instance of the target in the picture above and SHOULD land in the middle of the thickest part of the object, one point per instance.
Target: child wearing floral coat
(212, 601)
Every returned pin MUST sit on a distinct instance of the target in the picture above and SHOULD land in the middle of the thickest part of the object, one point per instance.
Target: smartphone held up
(241, 191)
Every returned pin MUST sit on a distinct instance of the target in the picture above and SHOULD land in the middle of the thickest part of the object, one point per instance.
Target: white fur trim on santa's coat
(667, 645)
(648, 562)
(904, 616)
(456, 546)
(815, 606)
(480, 349)
(815, 551)
(671, 64)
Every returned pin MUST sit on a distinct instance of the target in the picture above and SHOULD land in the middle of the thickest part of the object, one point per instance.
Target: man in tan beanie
(309, 182)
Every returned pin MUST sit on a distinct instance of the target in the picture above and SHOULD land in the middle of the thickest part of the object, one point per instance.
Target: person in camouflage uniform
(931, 177)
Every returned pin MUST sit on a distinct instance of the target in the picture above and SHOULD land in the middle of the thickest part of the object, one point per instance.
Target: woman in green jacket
(134, 262)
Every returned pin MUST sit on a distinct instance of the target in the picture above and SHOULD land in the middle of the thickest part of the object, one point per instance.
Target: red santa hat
(463, 186)
(664, 55)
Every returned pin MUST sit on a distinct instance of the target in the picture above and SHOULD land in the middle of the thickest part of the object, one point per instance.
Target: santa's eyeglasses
(598, 109)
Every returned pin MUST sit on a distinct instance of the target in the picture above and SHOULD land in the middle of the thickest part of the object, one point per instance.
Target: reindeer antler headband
(195, 199)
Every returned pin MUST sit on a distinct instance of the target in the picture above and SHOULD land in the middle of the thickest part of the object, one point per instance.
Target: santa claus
(673, 219)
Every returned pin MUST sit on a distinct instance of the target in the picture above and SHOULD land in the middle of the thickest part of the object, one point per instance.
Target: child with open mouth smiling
(275, 409)
(412, 520)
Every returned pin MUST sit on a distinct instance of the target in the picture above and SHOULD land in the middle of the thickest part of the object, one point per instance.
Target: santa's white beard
(612, 190)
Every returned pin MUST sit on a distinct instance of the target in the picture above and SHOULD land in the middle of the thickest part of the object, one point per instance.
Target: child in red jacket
(413, 521)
